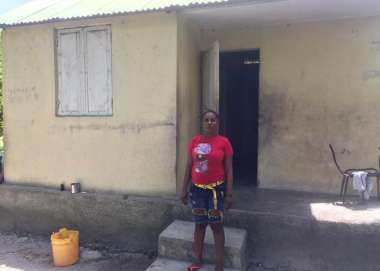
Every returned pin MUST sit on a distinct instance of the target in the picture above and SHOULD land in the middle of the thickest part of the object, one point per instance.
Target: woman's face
(210, 123)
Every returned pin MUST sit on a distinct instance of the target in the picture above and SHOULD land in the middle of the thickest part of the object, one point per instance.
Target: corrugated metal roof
(38, 11)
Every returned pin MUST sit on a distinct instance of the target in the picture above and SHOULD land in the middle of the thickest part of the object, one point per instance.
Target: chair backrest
(334, 158)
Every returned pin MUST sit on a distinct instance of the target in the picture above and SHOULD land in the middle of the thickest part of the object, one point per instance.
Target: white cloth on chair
(361, 183)
(359, 180)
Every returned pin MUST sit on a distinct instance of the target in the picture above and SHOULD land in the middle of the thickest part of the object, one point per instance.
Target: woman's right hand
(184, 197)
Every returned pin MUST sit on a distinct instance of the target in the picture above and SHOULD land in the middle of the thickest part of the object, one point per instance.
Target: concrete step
(163, 264)
(176, 242)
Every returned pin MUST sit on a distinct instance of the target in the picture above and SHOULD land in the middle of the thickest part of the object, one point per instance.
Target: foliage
(1, 87)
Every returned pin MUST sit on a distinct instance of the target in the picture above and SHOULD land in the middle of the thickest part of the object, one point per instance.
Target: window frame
(84, 102)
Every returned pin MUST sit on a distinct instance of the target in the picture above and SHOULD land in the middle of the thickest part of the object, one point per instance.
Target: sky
(6, 5)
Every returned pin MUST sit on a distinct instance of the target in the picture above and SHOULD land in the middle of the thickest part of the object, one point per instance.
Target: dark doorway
(239, 94)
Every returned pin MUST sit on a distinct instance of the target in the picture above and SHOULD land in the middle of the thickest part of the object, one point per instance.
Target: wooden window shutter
(98, 70)
(70, 72)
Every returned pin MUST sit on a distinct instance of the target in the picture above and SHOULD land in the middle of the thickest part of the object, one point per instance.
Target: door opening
(238, 98)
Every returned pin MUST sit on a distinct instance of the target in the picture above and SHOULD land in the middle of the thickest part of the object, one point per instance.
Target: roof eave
(172, 8)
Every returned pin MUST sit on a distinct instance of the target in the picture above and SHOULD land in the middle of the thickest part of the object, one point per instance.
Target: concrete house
(109, 92)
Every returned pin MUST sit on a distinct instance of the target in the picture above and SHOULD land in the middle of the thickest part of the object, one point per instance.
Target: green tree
(1, 85)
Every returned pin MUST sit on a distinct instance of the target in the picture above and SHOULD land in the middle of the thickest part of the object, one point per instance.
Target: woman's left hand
(184, 197)
(227, 202)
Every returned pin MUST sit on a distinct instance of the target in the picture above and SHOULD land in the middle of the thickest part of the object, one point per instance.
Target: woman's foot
(194, 267)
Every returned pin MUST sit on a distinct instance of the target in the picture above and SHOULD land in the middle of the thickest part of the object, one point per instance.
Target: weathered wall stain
(122, 128)
(349, 120)
(21, 94)
(375, 45)
(371, 74)
(274, 109)
(345, 151)
(343, 123)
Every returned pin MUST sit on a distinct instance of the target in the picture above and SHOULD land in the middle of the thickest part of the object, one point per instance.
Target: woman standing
(209, 170)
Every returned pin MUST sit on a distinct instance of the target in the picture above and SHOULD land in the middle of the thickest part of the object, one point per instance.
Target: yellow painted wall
(319, 84)
(188, 90)
(132, 151)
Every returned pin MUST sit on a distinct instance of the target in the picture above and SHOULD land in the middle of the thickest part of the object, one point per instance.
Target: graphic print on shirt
(200, 161)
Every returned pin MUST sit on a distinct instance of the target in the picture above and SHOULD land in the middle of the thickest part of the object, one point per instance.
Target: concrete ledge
(116, 221)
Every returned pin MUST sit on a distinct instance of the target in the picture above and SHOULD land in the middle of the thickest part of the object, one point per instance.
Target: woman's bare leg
(199, 236)
(218, 231)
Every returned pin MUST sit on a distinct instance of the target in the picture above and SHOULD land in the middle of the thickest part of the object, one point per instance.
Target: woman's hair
(209, 111)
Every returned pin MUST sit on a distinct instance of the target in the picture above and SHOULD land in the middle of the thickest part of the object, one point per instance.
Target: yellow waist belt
(211, 186)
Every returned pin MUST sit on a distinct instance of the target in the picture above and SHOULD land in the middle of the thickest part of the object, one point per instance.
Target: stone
(90, 255)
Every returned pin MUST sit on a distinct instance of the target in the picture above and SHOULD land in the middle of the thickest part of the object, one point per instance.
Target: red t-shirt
(208, 154)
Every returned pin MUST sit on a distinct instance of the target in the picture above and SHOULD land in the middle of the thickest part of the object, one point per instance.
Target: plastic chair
(347, 175)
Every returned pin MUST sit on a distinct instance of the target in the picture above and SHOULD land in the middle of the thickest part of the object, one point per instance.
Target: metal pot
(75, 188)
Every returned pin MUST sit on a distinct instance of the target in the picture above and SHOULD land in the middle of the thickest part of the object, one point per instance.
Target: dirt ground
(29, 253)
(33, 253)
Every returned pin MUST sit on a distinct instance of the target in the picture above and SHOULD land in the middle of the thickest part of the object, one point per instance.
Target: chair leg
(342, 186)
(346, 180)
(378, 191)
